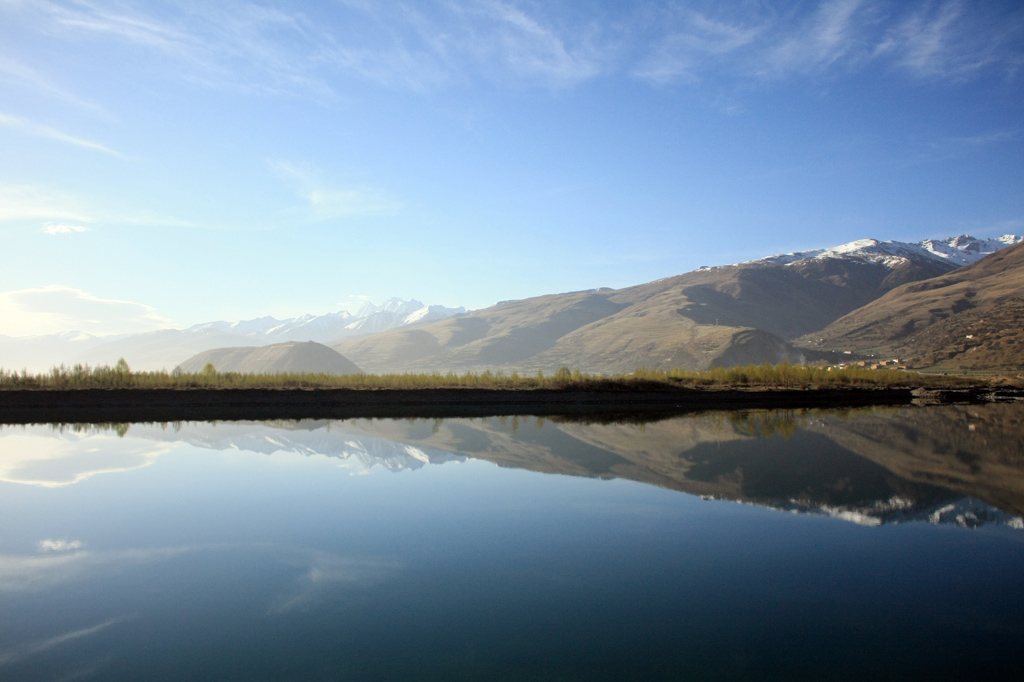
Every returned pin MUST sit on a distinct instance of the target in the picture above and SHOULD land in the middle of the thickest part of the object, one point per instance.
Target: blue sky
(177, 162)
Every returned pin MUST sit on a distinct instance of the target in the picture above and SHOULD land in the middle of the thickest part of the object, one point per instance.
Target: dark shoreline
(169, 405)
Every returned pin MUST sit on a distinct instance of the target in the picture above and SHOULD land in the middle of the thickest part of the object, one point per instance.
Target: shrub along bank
(783, 375)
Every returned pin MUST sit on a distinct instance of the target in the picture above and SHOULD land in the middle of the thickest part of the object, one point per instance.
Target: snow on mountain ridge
(370, 318)
(169, 347)
(429, 313)
(960, 250)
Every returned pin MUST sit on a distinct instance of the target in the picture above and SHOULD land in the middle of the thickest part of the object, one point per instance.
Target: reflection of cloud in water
(38, 455)
(324, 572)
(319, 572)
(32, 573)
(59, 545)
(41, 646)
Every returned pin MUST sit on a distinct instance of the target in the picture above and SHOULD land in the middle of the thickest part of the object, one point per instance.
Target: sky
(171, 163)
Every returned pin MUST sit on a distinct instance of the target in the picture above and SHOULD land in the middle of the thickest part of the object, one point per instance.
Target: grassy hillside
(971, 319)
(292, 357)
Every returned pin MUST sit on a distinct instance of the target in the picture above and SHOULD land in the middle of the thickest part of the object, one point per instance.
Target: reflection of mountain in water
(970, 450)
(308, 438)
(961, 465)
(947, 468)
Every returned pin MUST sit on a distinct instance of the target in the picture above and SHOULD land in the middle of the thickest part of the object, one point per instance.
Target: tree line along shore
(784, 375)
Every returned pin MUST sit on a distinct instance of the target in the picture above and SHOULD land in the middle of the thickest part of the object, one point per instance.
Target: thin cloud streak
(40, 204)
(32, 128)
(327, 202)
(529, 47)
(826, 37)
(44, 645)
(16, 73)
(681, 54)
(28, 202)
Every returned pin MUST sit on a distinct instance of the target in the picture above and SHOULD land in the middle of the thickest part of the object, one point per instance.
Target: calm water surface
(774, 545)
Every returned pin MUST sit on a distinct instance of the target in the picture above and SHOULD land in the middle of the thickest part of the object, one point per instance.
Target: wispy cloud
(921, 39)
(241, 46)
(245, 45)
(56, 460)
(530, 47)
(981, 140)
(946, 148)
(324, 201)
(949, 40)
(435, 44)
(31, 128)
(324, 572)
(54, 309)
(680, 55)
(63, 228)
(15, 73)
(35, 573)
(828, 35)
(30, 202)
(42, 646)
(60, 209)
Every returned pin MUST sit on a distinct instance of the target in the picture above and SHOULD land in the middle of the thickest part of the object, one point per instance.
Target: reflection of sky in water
(204, 561)
(49, 456)
(39, 455)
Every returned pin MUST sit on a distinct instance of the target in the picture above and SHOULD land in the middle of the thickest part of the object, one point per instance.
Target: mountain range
(743, 313)
(167, 348)
(803, 306)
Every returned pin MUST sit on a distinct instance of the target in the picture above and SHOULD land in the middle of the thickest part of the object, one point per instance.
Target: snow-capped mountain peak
(958, 251)
(371, 318)
(429, 313)
(397, 313)
(965, 249)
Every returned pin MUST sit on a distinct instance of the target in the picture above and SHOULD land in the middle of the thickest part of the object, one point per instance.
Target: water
(773, 545)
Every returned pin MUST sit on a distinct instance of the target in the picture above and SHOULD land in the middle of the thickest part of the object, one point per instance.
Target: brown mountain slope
(277, 358)
(972, 318)
(713, 316)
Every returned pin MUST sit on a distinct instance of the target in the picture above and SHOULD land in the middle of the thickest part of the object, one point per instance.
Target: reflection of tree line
(752, 423)
(119, 428)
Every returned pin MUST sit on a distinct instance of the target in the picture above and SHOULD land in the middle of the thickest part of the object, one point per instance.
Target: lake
(878, 543)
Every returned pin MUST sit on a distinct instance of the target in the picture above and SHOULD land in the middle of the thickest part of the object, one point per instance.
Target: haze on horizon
(168, 163)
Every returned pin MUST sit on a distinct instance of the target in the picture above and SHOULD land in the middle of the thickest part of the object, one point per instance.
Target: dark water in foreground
(817, 545)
